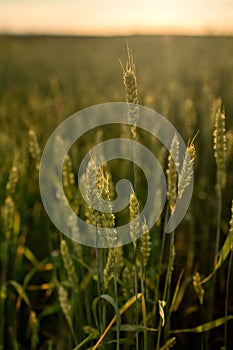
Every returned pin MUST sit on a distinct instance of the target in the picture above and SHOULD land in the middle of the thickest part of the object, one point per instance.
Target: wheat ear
(173, 163)
(131, 91)
(34, 148)
(187, 168)
(145, 244)
(68, 264)
(220, 148)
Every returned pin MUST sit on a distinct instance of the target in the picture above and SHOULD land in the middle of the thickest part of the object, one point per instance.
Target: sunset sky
(117, 17)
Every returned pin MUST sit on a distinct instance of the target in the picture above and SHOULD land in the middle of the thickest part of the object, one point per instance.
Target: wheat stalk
(220, 158)
(228, 277)
(173, 164)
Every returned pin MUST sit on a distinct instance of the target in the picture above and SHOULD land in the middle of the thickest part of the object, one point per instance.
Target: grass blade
(125, 307)
(19, 289)
(204, 327)
(117, 312)
(222, 257)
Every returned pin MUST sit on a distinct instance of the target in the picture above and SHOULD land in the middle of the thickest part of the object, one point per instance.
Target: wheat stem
(228, 278)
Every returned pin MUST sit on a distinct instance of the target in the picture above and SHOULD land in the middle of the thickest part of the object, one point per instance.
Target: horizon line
(121, 32)
(116, 35)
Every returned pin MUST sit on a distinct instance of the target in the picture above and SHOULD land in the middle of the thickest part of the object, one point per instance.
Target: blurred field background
(45, 79)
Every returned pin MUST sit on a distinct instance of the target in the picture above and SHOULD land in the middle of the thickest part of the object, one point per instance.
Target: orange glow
(124, 17)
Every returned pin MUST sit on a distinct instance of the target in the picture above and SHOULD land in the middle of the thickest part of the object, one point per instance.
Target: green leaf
(109, 299)
(205, 327)
(19, 289)
(93, 335)
(222, 257)
(180, 290)
(224, 252)
(122, 310)
(32, 272)
(30, 256)
(94, 310)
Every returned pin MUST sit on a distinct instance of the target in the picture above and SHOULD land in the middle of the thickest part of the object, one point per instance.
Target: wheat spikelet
(145, 244)
(13, 178)
(34, 148)
(187, 168)
(220, 148)
(198, 287)
(114, 258)
(8, 213)
(70, 191)
(135, 226)
(128, 280)
(105, 184)
(173, 163)
(109, 268)
(9, 207)
(119, 258)
(68, 177)
(68, 264)
(66, 309)
(90, 213)
(92, 181)
(130, 82)
(97, 184)
(75, 235)
(133, 206)
(113, 265)
(65, 305)
(171, 264)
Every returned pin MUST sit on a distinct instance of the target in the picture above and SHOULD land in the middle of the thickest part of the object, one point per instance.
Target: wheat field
(161, 291)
